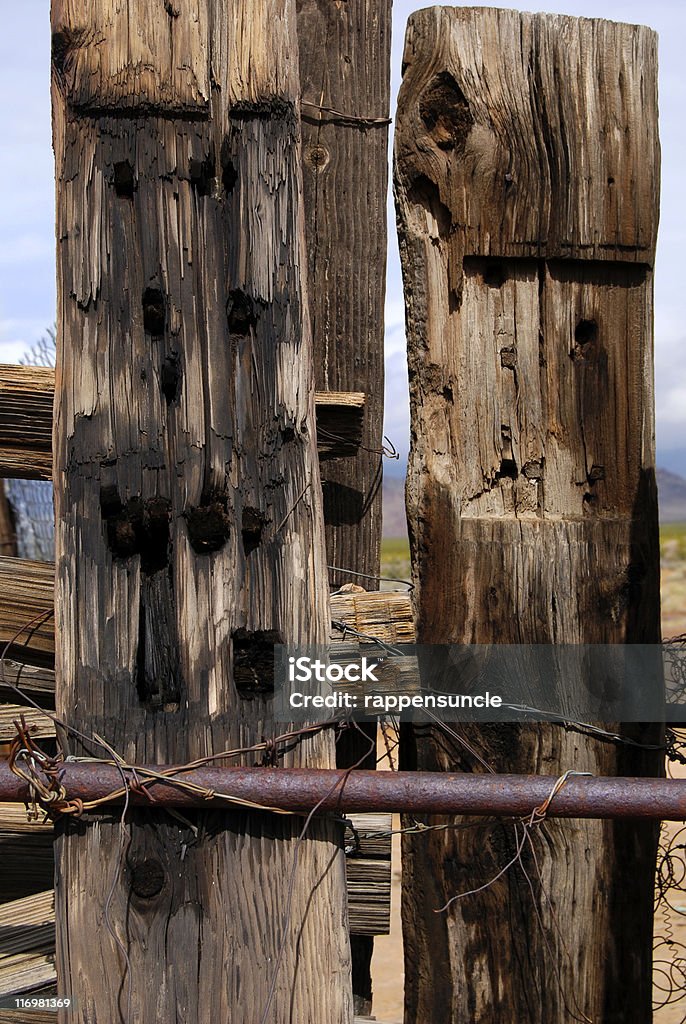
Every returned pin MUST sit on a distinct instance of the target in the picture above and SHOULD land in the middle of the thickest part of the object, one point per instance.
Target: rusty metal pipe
(295, 789)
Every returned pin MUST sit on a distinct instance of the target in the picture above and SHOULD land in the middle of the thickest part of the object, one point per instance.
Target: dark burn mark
(61, 44)
(229, 177)
(208, 525)
(252, 524)
(158, 683)
(494, 275)
(229, 172)
(274, 107)
(445, 112)
(155, 540)
(287, 435)
(585, 340)
(147, 878)
(137, 527)
(122, 536)
(253, 661)
(202, 174)
(142, 528)
(123, 179)
(343, 505)
(170, 377)
(240, 312)
(110, 502)
(596, 473)
(154, 317)
(585, 332)
(508, 470)
(533, 470)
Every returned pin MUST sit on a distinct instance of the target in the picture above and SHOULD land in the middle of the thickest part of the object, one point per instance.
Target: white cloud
(18, 336)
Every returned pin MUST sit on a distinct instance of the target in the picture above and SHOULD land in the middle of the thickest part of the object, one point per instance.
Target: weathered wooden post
(345, 80)
(527, 188)
(345, 75)
(189, 524)
(8, 536)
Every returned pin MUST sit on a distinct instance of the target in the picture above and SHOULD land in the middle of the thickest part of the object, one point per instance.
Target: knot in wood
(445, 112)
(147, 878)
(317, 157)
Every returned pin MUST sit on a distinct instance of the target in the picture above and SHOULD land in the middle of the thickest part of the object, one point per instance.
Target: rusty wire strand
(370, 576)
(346, 119)
(387, 451)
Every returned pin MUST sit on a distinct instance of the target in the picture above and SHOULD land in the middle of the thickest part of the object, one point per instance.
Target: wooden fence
(27, 959)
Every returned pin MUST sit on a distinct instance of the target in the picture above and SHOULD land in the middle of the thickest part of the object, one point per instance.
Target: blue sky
(27, 273)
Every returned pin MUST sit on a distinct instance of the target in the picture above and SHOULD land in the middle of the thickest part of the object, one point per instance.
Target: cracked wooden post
(527, 164)
(345, 78)
(189, 523)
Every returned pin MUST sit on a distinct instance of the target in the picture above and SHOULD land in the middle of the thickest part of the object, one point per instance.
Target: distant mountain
(671, 497)
(394, 523)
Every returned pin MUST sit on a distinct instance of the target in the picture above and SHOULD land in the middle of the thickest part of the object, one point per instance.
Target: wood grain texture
(368, 873)
(35, 680)
(27, 950)
(41, 725)
(344, 79)
(26, 397)
(8, 533)
(122, 55)
(26, 605)
(345, 68)
(526, 177)
(189, 535)
(498, 140)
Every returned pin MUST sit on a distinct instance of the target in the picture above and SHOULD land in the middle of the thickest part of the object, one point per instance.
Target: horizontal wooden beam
(384, 615)
(32, 679)
(42, 727)
(340, 418)
(26, 394)
(26, 604)
(27, 588)
(26, 397)
(27, 948)
(368, 873)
